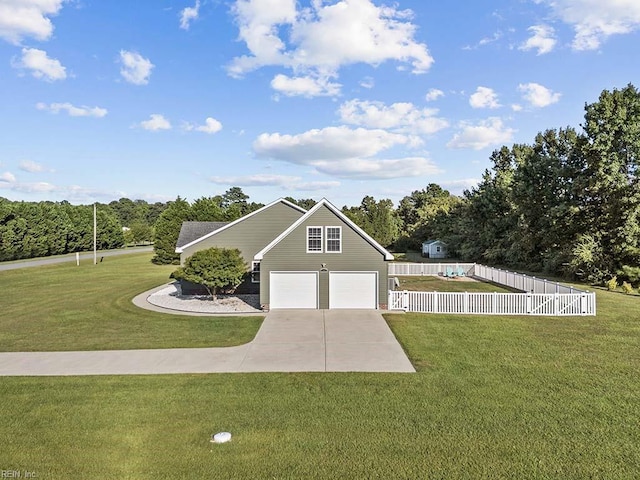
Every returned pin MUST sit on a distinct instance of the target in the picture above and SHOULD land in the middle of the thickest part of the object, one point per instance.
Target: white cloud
(516, 107)
(135, 68)
(27, 18)
(41, 65)
(542, 39)
(485, 41)
(308, 86)
(378, 169)
(484, 97)
(319, 40)
(367, 82)
(72, 110)
(594, 21)
(189, 14)
(457, 187)
(402, 117)
(32, 167)
(331, 143)
(433, 94)
(266, 180)
(489, 132)
(211, 126)
(7, 177)
(538, 95)
(344, 152)
(156, 122)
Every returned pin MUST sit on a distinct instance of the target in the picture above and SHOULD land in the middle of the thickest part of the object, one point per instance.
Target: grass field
(494, 397)
(66, 307)
(427, 283)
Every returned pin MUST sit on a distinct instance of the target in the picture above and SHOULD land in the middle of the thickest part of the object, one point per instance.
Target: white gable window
(314, 239)
(334, 239)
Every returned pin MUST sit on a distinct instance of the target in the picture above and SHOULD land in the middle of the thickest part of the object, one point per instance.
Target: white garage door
(353, 289)
(293, 290)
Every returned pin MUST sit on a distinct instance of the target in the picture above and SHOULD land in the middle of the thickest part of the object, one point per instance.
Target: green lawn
(429, 283)
(494, 397)
(66, 307)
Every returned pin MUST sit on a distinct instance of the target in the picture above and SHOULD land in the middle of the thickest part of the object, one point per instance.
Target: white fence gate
(555, 304)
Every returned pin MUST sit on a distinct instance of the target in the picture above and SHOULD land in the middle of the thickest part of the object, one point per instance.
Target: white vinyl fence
(418, 269)
(556, 304)
(520, 281)
(539, 297)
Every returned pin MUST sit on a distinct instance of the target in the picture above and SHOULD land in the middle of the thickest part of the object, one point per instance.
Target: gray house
(319, 259)
(249, 234)
(434, 249)
(323, 260)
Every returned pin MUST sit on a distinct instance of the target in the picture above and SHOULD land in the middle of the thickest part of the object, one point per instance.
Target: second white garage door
(293, 290)
(353, 289)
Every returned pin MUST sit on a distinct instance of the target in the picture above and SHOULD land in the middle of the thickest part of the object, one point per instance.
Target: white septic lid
(221, 437)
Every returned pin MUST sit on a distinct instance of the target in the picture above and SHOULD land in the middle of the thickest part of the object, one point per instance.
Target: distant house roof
(191, 231)
(429, 242)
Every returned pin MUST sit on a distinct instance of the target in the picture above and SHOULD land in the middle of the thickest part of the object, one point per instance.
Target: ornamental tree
(214, 268)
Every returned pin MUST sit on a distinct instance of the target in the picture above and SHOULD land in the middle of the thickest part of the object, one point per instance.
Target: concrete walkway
(288, 341)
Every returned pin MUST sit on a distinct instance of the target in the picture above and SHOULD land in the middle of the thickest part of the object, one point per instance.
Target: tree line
(567, 204)
(37, 229)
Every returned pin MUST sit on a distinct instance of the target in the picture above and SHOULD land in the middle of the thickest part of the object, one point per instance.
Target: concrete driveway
(288, 341)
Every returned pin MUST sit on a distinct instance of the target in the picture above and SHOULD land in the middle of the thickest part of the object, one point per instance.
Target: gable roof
(180, 248)
(336, 212)
(190, 231)
(430, 242)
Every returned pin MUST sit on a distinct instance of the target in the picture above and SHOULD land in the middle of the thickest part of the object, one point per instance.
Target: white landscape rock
(171, 297)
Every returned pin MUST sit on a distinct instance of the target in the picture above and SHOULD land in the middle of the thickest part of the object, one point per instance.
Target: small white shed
(434, 249)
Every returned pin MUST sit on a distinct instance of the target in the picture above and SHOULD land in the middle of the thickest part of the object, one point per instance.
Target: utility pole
(95, 236)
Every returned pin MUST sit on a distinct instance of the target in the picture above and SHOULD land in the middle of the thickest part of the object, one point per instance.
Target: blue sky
(317, 98)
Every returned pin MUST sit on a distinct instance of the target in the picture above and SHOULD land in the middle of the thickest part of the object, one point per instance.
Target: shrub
(627, 288)
(612, 284)
(214, 268)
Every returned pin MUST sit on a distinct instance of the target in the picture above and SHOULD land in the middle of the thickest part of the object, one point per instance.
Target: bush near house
(214, 268)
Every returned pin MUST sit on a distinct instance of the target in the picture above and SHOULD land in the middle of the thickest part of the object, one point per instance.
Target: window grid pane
(314, 239)
(333, 239)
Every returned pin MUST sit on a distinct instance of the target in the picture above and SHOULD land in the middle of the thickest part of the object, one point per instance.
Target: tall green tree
(167, 231)
(609, 189)
(377, 218)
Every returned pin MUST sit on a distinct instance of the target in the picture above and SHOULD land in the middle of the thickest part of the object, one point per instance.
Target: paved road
(37, 262)
(288, 341)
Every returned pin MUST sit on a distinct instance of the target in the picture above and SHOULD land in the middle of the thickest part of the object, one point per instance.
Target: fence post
(466, 302)
(556, 304)
(494, 298)
(528, 306)
(583, 304)
(405, 300)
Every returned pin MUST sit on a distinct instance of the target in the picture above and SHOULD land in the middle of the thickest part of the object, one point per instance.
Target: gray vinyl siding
(291, 255)
(251, 234)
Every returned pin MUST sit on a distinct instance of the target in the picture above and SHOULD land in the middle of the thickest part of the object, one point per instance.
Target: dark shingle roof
(191, 231)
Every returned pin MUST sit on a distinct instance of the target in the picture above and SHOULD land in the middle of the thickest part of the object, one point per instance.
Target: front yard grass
(494, 397)
(66, 307)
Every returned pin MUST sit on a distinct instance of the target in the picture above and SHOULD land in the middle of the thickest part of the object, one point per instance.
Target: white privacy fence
(403, 269)
(520, 281)
(540, 297)
(556, 304)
